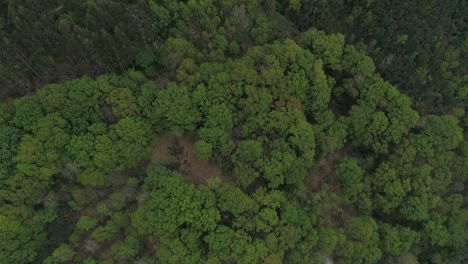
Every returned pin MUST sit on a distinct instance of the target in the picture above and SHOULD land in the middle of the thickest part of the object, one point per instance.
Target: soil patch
(322, 172)
(177, 154)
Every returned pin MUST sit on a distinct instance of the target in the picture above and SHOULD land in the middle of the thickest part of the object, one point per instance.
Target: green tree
(350, 175)
(173, 203)
(362, 243)
(123, 102)
(203, 150)
(443, 132)
(248, 151)
(86, 223)
(389, 190)
(130, 247)
(329, 48)
(27, 113)
(62, 254)
(131, 137)
(396, 240)
(178, 116)
(21, 236)
(234, 201)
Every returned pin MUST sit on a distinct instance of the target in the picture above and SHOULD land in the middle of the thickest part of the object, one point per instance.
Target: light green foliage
(62, 254)
(21, 237)
(82, 105)
(86, 223)
(262, 30)
(234, 201)
(244, 175)
(382, 116)
(33, 161)
(180, 250)
(131, 140)
(130, 247)
(203, 150)
(106, 154)
(257, 101)
(177, 49)
(328, 239)
(396, 240)
(443, 132)
(329, 48)
(52, 97)
(177, 115)
(350, 175)
(110, 229)
(27, 113)
(389, 189)
(266, 219)
(387, 182)
(330, 133)
(173, 203)
(41, 156)
(223, 241)
(357, 63)
(362, 243)
(248, 151)
(414, 208)
(218, 125)
(437, 232)
(123, 103)
(293, 146)
(81, 149)
(148, 94)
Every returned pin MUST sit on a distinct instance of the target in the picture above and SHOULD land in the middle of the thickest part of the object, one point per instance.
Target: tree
(443, 132)
(86, 223)
(218, 124)
(203, 150)
(177, 116)
(132, 137)
(389, 190)
(396, 240)
(382, 116)
(62, 254)
(248, 151)
(27, 113)
(234, 201)
(130, 247)
(123, 102)
(362, 243)
(436, 232)
(9, 140)
(329, 48)
(173, 203)
(109, 230)
(222, 242)
(21, 236)
(350, 175)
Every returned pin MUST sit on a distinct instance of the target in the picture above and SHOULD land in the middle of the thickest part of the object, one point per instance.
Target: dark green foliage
(289, 153)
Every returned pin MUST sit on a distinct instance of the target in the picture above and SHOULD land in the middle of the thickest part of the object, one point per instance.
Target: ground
(177, 153)
(321, 175)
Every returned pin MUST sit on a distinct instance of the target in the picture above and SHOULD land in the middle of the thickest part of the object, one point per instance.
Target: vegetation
(213, 132)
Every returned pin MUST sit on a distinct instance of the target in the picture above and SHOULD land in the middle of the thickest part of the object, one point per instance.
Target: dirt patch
(177, 154)
(322, 172)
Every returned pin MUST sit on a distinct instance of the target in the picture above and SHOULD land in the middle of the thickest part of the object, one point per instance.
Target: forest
(248, 131)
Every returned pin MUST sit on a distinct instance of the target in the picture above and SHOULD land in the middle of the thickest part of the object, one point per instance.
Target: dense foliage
(288, 145)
